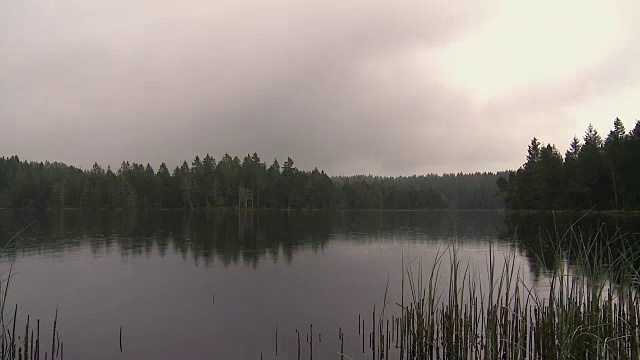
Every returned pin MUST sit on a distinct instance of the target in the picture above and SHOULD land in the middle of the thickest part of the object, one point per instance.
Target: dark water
(216, 286)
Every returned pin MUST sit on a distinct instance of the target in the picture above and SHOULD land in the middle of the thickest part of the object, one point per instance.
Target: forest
(595, 173)
(230, 182)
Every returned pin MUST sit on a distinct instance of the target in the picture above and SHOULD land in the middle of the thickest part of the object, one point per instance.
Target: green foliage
(585, 311)
(595, 174)
(206, 184)
(17, 345)
(448, 191)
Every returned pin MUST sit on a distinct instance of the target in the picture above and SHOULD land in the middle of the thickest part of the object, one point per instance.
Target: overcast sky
(390, 87)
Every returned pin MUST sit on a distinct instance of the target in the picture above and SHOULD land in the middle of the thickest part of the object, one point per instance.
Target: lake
(221, 285)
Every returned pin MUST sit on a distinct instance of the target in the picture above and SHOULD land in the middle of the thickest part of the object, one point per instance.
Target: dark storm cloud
(333, 84)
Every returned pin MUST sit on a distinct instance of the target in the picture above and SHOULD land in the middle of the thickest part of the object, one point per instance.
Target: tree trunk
(186, 184)
(615, 191)
(62, 196)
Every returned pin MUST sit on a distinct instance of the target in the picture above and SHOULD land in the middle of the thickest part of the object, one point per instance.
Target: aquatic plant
(587, 306)
(15, 345)
(589, 310)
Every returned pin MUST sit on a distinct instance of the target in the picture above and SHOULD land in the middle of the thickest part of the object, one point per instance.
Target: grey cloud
(332, 84)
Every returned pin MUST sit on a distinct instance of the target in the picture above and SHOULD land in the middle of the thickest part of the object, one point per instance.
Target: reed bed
(589, 310)
(18, 342)
(24, 343)
(588, 307)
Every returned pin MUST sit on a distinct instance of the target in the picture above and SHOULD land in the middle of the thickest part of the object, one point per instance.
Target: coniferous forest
(231, 182)
(595, 173)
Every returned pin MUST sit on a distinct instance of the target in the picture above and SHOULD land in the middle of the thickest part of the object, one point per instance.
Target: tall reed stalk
(588, 310)
(15, 345)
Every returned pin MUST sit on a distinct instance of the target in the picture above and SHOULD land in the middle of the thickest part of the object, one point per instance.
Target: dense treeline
(594, 173)
(450, 191)
(230, 182)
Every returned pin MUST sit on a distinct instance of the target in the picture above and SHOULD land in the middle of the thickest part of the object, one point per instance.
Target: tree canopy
(206, 183)
(594, 173)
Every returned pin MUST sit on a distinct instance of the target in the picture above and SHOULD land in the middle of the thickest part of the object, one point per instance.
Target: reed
(587, 305)
(589, 310)
(13, 346)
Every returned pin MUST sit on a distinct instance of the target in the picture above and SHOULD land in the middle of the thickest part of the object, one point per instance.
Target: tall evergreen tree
(600, 174)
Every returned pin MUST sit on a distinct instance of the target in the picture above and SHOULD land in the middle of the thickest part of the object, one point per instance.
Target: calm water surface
(216, 286)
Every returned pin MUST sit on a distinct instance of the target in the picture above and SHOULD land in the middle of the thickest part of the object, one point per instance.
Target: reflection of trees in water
(250, 237)
(539, 236)
(232, 237)
(236, 236)
(432, 224)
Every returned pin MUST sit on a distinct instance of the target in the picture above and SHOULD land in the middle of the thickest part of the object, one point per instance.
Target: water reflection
(144, 270)
(231, 237)
(541, 236)
(251, 237)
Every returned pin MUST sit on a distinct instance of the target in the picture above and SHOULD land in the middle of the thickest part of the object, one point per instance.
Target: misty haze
(319, 180)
